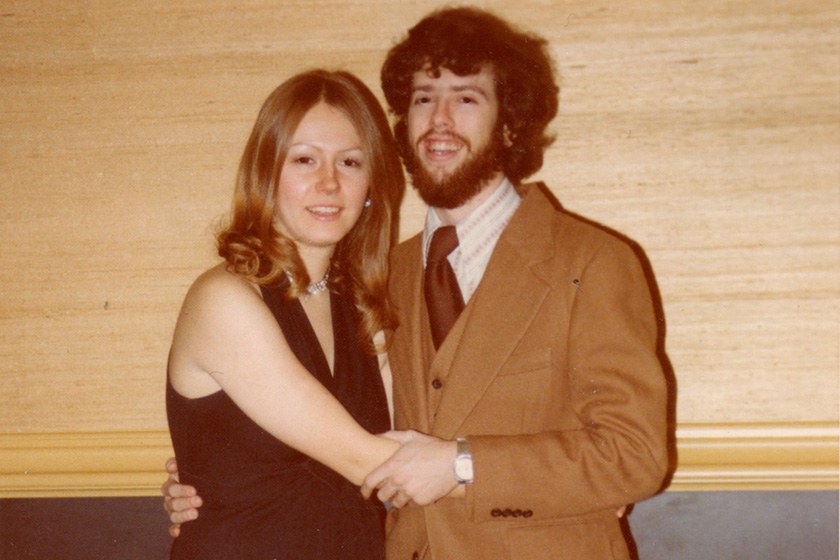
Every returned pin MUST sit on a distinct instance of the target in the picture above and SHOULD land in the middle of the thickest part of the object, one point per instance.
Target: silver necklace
(319, 286)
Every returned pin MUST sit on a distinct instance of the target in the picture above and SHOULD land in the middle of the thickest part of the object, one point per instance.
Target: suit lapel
(506, 302)
(408, 351)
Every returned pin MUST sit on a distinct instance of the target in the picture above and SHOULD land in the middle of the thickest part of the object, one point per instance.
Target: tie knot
(444, 241)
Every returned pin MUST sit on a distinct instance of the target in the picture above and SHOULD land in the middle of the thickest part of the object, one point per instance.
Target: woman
(273, 385)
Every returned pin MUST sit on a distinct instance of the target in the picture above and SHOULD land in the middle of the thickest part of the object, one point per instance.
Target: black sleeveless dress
(262, 499)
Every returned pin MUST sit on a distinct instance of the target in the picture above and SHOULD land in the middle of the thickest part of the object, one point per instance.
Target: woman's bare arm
(226, 337)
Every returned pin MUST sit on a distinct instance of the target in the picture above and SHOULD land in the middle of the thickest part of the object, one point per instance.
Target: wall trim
(76, 464)
(802, 456)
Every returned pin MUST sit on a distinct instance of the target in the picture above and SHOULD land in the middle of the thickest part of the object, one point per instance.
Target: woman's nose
(328, 178)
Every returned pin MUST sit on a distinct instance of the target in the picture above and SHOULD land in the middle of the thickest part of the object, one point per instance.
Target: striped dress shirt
(478, 233)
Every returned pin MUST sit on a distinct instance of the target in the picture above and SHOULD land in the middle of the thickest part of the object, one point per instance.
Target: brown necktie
(443, 296)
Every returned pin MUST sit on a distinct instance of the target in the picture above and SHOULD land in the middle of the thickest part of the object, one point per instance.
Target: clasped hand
(419, 472)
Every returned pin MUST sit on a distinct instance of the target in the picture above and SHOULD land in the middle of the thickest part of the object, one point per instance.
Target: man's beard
(465, 182)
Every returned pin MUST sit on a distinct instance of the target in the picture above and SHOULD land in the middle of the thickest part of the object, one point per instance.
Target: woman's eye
(352, 162)
(303, 160)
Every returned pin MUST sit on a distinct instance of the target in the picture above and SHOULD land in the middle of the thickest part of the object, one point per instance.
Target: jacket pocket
(525, 362)
(579, 541)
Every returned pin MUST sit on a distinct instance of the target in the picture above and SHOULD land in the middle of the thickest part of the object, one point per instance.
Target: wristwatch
(463, 465)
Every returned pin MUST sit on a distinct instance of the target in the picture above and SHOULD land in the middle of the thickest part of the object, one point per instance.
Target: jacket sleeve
(613, 451)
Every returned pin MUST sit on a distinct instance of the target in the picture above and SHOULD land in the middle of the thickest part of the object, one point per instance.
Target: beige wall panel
(708, 132)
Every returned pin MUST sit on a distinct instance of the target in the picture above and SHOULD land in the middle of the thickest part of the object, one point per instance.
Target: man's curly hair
(464, 40)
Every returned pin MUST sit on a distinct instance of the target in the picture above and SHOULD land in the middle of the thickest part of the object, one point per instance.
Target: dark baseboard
(671, 526)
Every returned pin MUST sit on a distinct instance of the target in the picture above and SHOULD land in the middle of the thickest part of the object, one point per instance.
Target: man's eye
(421, 100)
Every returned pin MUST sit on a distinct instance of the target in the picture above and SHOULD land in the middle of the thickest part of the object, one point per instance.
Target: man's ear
(507, 136)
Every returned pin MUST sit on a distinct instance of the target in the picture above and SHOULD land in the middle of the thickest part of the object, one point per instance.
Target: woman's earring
(368, 202)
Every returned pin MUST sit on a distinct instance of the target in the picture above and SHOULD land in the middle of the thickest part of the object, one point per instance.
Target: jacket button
(496, 512)
(507, 513)
(437, 383)
(527, 513)
(517, 512)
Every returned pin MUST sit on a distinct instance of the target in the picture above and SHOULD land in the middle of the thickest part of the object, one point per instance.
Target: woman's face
(324, 181)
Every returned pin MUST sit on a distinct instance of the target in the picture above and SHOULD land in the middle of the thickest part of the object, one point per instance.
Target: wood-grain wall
(708, 132)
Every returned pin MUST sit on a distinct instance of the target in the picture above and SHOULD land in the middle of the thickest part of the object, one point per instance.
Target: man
(542, 408)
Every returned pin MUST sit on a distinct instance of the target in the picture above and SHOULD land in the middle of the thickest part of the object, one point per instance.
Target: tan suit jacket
(551, 372)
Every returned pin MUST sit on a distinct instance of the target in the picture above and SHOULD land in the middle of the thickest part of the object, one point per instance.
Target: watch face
(464, 469)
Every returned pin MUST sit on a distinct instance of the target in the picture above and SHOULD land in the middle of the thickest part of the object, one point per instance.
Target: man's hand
(180, 500)
(419, 472)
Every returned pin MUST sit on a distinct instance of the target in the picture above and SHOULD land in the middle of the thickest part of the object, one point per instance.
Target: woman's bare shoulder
(220, 281)
(221, 311)
(222, 302)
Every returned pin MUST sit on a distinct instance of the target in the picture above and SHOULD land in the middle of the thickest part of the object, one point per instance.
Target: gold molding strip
(76, 464)
(801, 456)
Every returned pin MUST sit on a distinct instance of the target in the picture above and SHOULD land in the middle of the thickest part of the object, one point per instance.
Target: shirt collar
(489, 218)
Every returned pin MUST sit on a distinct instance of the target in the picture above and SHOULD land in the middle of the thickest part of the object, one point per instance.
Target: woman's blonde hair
(255, 249)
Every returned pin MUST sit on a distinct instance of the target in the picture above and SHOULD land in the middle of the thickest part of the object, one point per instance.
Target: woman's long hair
(255, 249)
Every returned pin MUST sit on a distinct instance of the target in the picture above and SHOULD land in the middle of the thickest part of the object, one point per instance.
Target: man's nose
(442, 115)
